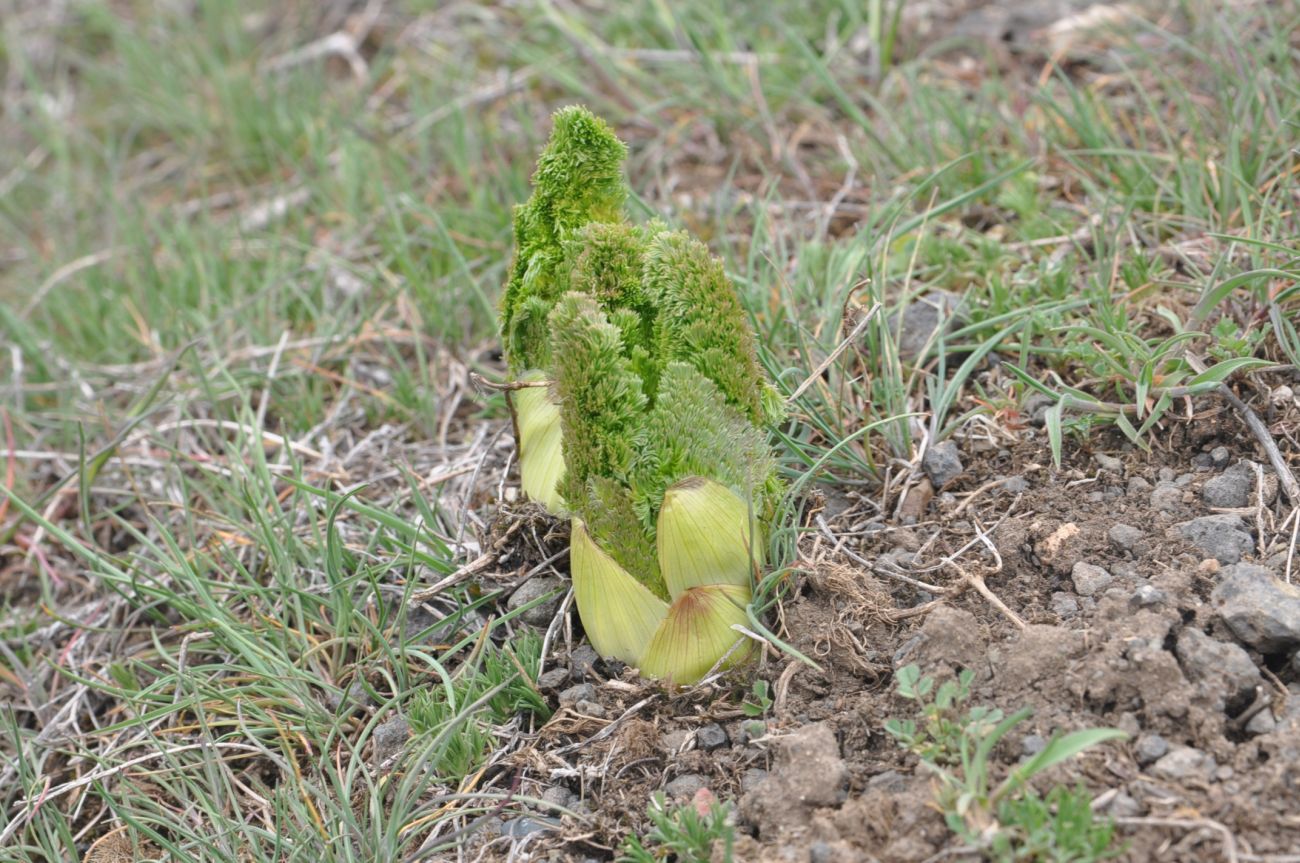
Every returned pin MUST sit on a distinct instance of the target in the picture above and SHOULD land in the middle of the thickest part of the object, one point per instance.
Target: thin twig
(834, 355)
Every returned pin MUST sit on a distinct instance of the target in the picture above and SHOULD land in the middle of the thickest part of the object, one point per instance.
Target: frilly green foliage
(700, 320)
(601, 399)
(579, 180)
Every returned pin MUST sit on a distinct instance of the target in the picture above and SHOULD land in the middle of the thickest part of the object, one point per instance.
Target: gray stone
(1167, 498)
(582, 662)
(535, 588)
(389, 738)
(1227, 668)
(1126, 537)
(1138, 487)
(710, 737)
(1032, 744)
(1167, 474)
(1223, 537)
(921, 320)
(577, 692)
(1219, 456)
(1108, 462)
(558, 795)
(819, 852)
(1123, 806)
(942, 463)
(1124, 569)
(1149, 596)
(590, 708)
(553, 679)
(891, 781)
(1261, 610)
(674, 741)
(1089, 579)
(1149, 748)
(685, 786)
(1064, 605)
(517, 828)
(1262, 723)
(354, 698)
(1230, 489)
(1015, 485)
(1183, 763)
(750, 779)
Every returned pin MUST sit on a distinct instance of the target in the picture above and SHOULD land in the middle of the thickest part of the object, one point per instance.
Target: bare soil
(1210, 769)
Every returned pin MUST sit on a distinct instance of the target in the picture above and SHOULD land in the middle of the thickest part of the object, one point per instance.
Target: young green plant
(645, 361)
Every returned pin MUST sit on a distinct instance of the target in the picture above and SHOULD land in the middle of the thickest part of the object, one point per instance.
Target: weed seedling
(957, 747)
(689, 833)
(759, 701)
(1060, 828)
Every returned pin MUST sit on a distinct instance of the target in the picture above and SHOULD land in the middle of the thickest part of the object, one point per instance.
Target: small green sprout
(759, 702)
(697, 832)
(957, 746)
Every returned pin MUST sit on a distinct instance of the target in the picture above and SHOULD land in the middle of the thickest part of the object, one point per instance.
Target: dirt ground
(1109, 617)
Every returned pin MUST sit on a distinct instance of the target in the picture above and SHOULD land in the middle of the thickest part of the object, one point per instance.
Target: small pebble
(1262, 723)
(1183, 762)
(1125, 536)
(582, 662)
(1167, 474)
(1219, 456)
(1230, 489)
(1149, 748)
(1137, 487)
(1224, 537)
(1089, 579)
(710, 737)
(750, 778)
(558, 795)
(1124, 569)
(942, 463)
(1124, 806)
(1166, 498)
(534, 589)
(590, 708)
(577, 692)
(1149, 596)
(1015, 485)
(819, 852)
(1032, 744)
(517, 828)
(553, 679)
(1108, 462)
(1064, 605)
(685, 786)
